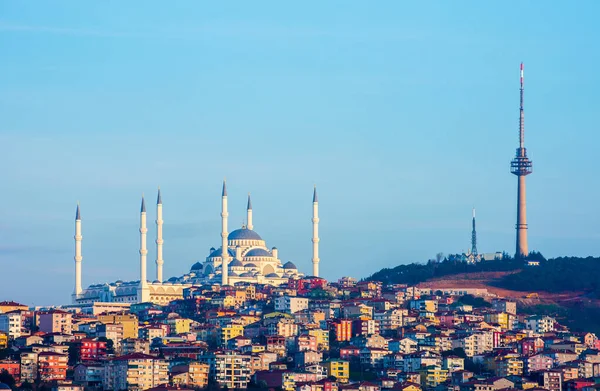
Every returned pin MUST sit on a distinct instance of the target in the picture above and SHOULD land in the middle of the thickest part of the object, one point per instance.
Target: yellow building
(509, 365)
(432, 376)
(128, 321)
(3, 340)
(257, 348)
(179, 325)
(194, 374)
(501, 318)
(338, 368)
(231, 331)
(322, 337)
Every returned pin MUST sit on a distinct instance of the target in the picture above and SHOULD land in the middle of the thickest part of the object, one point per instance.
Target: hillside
(567, 288)
(564, 274)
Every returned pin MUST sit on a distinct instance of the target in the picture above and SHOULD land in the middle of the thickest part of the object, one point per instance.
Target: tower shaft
(249, 214)
(522, 248)
(78, 258)
(315, 238)
(159, 239)
(143, 289)
(143, 248)
(224, 236)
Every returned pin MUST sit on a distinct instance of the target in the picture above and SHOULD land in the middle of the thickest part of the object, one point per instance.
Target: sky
(403, 113)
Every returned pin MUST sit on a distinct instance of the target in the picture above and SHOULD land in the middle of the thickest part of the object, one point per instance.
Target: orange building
(342, 330)
(52, 366)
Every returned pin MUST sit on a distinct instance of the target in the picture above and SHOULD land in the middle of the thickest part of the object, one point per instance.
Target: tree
(439, 257)
(7, 379)
(110, 345)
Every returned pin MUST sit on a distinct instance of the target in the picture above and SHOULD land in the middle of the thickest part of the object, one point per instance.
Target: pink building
(56, 321)
(538, 362)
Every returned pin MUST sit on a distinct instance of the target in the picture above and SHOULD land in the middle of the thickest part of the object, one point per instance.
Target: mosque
(246, 255)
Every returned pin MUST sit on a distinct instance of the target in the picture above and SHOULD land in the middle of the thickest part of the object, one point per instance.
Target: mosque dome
(289, 265)
(236, 262)
(218, 253)
(258, 252)
(196, 266)
(251, 265)
(244, 234)
(271, 275)
(232, 274)
(247, 274)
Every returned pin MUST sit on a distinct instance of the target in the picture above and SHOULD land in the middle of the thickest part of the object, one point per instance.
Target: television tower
(474, 237)
(521, 166)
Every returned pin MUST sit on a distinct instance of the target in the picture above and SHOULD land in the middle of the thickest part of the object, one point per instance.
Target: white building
(12, 324)
(290, 304)
(539, 324)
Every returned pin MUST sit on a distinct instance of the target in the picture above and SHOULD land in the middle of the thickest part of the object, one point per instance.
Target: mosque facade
(246, 255)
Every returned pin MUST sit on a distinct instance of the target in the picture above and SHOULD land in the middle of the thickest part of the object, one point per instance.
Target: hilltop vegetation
(557, 275)
(554, 275)
(415, 273)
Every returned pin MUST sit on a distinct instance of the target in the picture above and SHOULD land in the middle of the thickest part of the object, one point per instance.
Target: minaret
(78, 256)
(224, 236)
(474, 237)
(315, 238)
(143, 290)
(521, 166)
(159, 238)
(249, 212)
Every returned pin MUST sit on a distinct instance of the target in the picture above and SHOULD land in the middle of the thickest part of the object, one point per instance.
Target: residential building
(135, 372)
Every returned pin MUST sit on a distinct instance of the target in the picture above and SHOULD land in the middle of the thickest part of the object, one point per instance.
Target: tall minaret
(78, 256)
(474, 237)
(315, 238)
(224, 236)
(521, 166)
(249, 212)
(159, 238)
(143, 290)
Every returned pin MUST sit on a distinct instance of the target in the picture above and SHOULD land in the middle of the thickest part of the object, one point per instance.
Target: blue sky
(405, 114)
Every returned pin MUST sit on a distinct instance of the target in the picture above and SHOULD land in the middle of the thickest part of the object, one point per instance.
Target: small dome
(196, 266)
(236, 262)
(251, 265)
(156, 282)
(247, 274)
(258, 252)
(232, 274)
(289, 265)
(172, 279)
(218, 253)
(271, 275)
(244, 234)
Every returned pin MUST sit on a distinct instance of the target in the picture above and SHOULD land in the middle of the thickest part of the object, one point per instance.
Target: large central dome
(244, 234)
